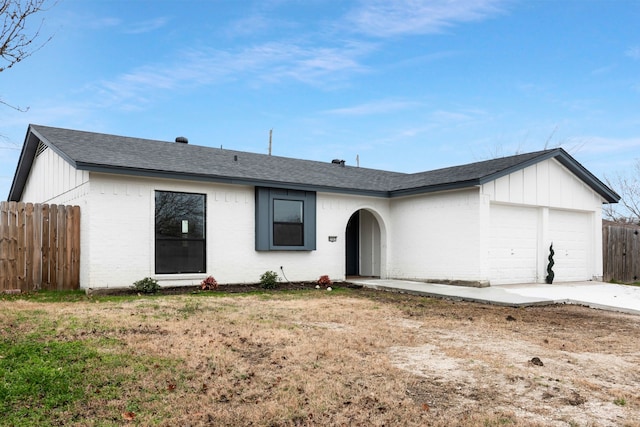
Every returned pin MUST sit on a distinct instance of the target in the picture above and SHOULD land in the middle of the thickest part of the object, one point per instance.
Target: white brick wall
(121, 234)
(436, 236)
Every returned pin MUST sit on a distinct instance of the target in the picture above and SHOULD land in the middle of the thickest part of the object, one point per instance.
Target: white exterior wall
(437, 236)
(52, 180)
(546, 184)
(333, 213)
(555, 193)
(121, 234)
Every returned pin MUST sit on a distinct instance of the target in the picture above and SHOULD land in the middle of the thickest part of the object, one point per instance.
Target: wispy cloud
(267, 63)
(146, 26)
(383, 18)
(376, 107)
(633, 52)
(111, 23)
(321, 60)
(249, 25)
(607, 69)
(316, 66)
(101, 23)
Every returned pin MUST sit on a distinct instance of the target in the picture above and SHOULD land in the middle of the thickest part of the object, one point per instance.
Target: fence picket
(13, 244)
(4, 245)
(75, 245)
(46, 263)
(20, 246)
(28, 246)
(621, 253)
(61, 247)
(39, 246)
(53, 242)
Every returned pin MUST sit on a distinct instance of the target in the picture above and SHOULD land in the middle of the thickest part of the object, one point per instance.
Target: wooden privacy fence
(621, 253)
(39, 247)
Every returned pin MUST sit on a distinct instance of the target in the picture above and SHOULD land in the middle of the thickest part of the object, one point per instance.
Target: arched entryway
(363, 245)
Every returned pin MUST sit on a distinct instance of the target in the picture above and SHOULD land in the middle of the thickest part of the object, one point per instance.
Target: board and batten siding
(547, 184)
(567, 213)
(53, 180)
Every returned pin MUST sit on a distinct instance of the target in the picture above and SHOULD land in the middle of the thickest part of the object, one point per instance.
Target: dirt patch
(360, 357)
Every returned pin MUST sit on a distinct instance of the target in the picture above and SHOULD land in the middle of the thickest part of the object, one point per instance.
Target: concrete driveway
(604, 296)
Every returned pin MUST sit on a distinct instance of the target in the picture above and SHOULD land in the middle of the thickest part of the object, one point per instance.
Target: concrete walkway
(604, 296)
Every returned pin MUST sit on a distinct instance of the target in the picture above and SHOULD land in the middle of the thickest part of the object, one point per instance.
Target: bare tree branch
(15, 107)
(16, 42)
(627, 184)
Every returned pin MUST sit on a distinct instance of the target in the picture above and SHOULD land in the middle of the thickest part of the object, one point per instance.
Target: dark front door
(353, 244)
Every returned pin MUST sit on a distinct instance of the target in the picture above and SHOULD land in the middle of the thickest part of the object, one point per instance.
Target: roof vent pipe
(182, 140)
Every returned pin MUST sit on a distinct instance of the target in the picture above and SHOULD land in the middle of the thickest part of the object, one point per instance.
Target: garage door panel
(570, 233)
(516, 254)
(513, 246)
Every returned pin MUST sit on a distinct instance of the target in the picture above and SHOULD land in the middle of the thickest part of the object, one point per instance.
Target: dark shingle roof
(127, 155)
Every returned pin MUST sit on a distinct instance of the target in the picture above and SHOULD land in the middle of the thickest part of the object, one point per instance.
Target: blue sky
(406, 85)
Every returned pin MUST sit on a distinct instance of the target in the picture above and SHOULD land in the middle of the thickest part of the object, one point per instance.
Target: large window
(285, 220)
(180, 232)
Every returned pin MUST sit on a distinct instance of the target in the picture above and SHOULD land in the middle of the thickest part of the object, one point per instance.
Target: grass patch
(620, 401)
(45, 381)
(46, 296)
(40, 377)
(306, 357)
(617, 282)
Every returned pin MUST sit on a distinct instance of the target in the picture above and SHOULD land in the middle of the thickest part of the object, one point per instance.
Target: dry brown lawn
(356, 357)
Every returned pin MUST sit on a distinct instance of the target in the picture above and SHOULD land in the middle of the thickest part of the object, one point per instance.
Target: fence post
(61, 248)
(4, 245)
(13, 245)
(37, 247)
(28, 246)
(46, 264)
(20, 245)
(75, 252)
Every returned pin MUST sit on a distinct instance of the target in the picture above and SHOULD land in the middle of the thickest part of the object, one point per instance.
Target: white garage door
(571, 237)
(513, 247)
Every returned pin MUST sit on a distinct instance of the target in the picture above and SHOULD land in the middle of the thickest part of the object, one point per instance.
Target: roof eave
(27, 157)
(91, 167)
(434, 188)
(25, 161)
(591, 180)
